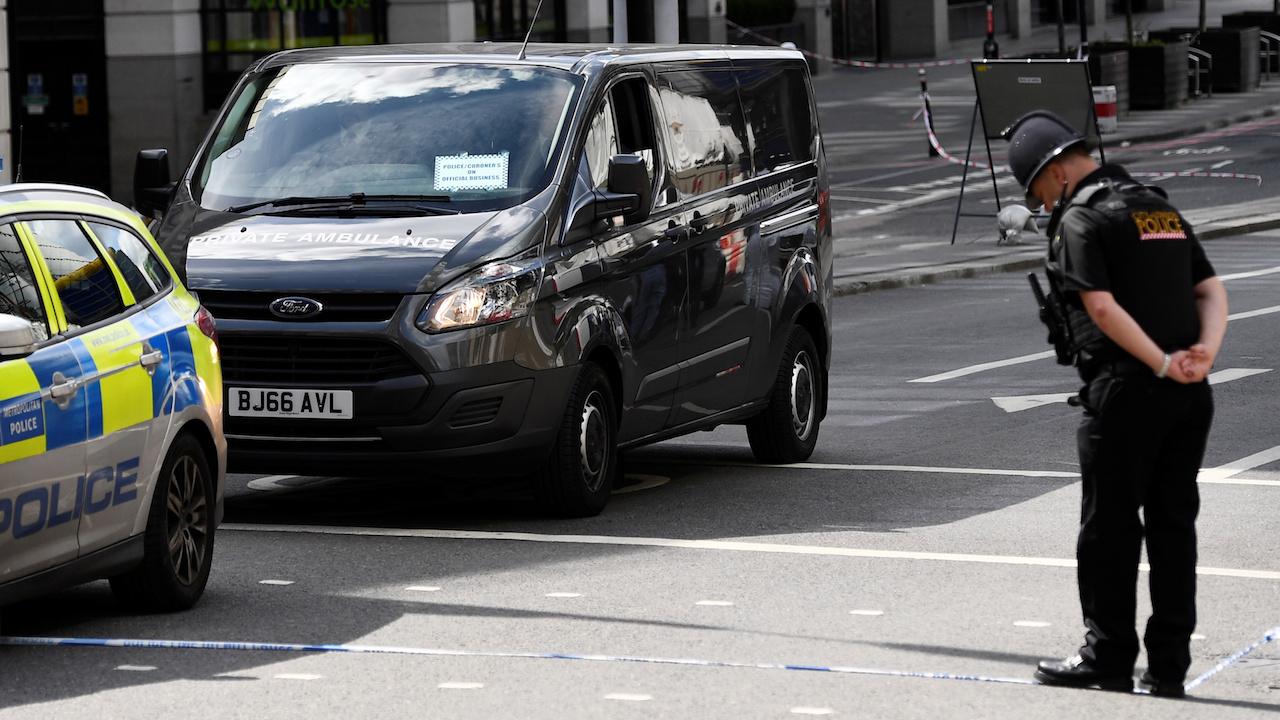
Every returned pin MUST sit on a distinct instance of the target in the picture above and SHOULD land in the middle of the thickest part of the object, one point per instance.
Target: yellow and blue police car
(112, 458)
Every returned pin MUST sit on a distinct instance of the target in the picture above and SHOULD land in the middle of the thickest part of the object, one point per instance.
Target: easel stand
(964, 178)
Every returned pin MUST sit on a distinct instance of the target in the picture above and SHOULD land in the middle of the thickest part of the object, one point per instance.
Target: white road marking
(628, 697)
(983, 367)
(423, 588)
(1018, 403)
(1254, 313)
(136, 668)
(714, 603)
(1250, 274)
(720, 545)
(564, 595)
(812, 711)
(867, 613)
(1244, 464)
(1198, 636)
(460, 686)
(642, 482)
(1220, 165)
(297, 676)
(1031, 624)
(275, 582)
(270, 483)
(900, 468)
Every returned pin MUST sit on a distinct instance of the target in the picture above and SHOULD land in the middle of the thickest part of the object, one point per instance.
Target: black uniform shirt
(1128, 240)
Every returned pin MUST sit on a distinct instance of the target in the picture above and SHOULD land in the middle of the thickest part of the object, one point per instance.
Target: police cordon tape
(864, 64)
(141, 644)
(1272, 635)
(936, 144)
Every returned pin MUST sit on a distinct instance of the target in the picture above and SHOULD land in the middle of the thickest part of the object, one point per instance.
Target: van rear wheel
(787, 430)
(178, 542)
(583, 467)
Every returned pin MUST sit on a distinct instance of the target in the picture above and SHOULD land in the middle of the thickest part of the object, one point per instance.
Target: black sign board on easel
(1008, 89)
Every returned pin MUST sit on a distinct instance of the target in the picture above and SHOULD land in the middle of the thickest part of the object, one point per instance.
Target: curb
(890, 281)
(1118, 143)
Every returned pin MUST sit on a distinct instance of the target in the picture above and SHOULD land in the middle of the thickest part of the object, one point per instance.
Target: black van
(424, 256)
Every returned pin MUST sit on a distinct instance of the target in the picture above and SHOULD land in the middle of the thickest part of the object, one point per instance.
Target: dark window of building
(509, 20)
(238, 32)
(777, 107)
(706, 132)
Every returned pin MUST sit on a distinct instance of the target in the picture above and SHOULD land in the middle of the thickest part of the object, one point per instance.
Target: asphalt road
(888, 193)
(928, 541)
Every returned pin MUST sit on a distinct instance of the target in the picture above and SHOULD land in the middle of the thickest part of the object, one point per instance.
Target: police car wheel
(583, 466)
(178, 543)
(787, 430)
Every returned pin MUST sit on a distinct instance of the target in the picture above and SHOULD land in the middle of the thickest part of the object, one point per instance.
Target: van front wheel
(581, 472)
(787, 430)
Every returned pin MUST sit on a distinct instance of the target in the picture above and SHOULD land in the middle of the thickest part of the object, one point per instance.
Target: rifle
(1052, 312)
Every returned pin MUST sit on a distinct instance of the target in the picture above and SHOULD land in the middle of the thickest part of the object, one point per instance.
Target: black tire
(178, 543)
(583, 467)
(787, 430)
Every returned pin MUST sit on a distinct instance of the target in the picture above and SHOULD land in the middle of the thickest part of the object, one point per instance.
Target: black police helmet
(1035, 140)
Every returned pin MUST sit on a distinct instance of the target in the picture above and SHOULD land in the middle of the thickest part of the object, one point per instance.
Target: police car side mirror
(17, 337)
(151, 184)
(629, 175)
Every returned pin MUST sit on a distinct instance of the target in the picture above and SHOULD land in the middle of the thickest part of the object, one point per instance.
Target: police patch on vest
(1159, 225)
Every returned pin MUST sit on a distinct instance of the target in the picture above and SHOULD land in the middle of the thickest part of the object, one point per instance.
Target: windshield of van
(465, 138)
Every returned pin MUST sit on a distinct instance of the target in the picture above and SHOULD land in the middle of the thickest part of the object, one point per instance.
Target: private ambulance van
(509, 261)
(112, 457)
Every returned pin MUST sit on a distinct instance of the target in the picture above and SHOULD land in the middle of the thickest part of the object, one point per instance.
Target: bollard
(928, 117)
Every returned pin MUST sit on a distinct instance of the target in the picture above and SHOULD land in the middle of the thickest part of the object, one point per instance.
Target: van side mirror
(17, 337)
(151, 184)
(629, 175)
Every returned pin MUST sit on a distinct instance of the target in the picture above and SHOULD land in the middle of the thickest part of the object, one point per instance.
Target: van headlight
(494, 293)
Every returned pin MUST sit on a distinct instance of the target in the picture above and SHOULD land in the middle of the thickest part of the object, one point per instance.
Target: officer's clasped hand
(1191, 365)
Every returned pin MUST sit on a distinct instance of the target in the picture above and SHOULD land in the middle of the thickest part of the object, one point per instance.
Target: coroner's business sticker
(471, 172)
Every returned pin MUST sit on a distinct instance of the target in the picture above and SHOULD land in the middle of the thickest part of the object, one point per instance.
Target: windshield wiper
(354, 199)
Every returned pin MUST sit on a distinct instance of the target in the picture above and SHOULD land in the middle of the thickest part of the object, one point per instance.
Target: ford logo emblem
(295, 308)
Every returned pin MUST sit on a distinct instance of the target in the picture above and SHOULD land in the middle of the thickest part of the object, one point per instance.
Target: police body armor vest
(1110, 199)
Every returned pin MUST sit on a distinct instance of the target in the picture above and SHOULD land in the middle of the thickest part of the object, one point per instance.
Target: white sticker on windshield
(471, 172)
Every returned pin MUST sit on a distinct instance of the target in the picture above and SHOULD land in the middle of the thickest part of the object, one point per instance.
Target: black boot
(1161, 688)
(1077, 672)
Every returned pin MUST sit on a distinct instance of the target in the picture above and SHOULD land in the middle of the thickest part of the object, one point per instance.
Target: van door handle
(675, 233)
(63, 389)
(150, 359)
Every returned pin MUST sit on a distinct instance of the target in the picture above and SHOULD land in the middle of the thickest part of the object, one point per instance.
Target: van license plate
(289, 403)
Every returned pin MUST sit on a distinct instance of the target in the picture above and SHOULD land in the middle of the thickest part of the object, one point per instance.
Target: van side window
(601, 144)
(706, 130)
(18, 293)
(81, 278)
(777, 107)
(622, 125)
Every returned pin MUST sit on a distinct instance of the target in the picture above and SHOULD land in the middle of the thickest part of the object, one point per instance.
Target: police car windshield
(484, 135)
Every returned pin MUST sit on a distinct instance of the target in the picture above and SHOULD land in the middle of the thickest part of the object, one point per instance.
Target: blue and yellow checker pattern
(122, 394)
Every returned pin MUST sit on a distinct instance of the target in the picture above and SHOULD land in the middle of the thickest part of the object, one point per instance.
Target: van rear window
(777, 107)
(484, 136)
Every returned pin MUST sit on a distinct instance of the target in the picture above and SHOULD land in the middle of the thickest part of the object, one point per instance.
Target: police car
(112, 458)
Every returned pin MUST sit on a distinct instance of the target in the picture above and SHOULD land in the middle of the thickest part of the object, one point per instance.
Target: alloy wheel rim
(187, 510)
(593, 441)
(802, 396)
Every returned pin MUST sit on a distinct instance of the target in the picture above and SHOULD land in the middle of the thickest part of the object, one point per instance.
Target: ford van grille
(275, 359)
(336, 307)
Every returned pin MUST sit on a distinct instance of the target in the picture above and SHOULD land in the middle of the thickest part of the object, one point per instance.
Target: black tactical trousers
(1141, 444)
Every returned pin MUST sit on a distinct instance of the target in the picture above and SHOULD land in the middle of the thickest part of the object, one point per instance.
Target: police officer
(1145, 318)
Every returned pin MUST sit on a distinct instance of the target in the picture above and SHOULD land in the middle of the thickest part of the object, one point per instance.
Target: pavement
(864, 264)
